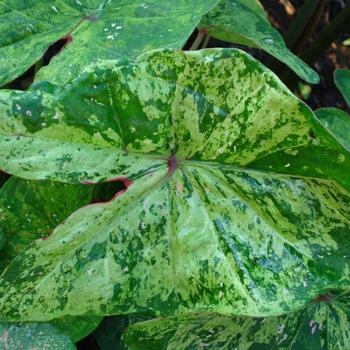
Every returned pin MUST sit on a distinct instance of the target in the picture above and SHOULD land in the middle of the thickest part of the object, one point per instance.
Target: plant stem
(205, 41)
(304, 25)
(199, 38)
(328, 35)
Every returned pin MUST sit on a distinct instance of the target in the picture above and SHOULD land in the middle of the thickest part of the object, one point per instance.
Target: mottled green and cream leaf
(245, 22)
(322, 325)
(220, 222)
(92, 30)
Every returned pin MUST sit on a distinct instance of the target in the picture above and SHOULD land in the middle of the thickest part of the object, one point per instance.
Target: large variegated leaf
(342, 80)
(32, 336)
(245, 22)
(322, 325)
(31, 209)
(94, 29)
(213, 218)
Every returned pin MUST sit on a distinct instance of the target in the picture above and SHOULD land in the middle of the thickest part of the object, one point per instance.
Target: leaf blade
(158, 96)
(342, 81)
(245, 22)
(114, 28)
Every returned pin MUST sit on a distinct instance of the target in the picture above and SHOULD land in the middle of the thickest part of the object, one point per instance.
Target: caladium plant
(223, 202)
(232, 219)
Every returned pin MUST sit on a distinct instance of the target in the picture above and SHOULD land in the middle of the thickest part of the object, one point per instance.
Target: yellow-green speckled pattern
(322, 325)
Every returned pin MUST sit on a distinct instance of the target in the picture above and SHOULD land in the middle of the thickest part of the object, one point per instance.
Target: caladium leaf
(342, 81)
(337, 122)
(245, 22)
(213, 219)
(41, 336)
(93, 29)
(322, 325)
(32, 209)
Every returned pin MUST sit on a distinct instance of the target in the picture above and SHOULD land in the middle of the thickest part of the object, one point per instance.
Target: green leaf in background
(32, 209)
(41, 336)
(342, 81)
(200, 227)
(2, 239)
(76, 328)
(245, 22)
(109, 333)
(346, 42)
(337, 122)
(322, 325)
(93, 29)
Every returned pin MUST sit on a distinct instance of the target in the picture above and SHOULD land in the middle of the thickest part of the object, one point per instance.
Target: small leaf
(337, 122)
(236, 198)
(342, 80)
(245, 22)
(322, 325)
(93, 30)
(30, 336)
